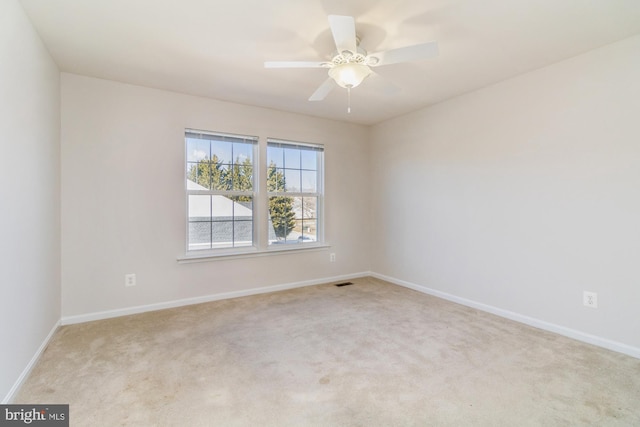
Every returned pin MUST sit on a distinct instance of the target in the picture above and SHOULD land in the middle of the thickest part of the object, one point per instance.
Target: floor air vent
(344, 284)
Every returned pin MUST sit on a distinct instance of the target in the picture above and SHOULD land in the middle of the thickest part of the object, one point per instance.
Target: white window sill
(251, 252)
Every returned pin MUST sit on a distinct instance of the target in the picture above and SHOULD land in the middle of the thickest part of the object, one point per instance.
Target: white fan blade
(405, 54)
(324, 89)
(294, 64)
(343, 29)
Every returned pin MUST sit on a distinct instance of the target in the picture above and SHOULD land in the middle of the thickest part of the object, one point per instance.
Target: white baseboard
(536, 323)
(81, 318)
(25, 373)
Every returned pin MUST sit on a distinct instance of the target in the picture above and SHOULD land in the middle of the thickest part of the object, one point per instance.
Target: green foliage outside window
(280, 207)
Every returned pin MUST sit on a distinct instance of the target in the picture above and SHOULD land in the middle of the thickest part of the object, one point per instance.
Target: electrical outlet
(590, 299)
(332, 257)
(129, 279)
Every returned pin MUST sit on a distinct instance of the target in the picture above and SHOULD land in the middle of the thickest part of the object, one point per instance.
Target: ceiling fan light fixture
(349, 75)
(350, 63)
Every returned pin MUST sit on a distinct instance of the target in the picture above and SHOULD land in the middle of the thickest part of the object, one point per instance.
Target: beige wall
(30, 194)
(522, 195)
(123, 198)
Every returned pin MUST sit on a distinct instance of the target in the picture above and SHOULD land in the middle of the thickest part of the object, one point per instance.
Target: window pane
(309, 159)
(291, 158)
(309, 181)
(220, 177)
(292, 179)
(221, 150)
(242, 207)
(197, 149)
(199, 236)
(309, 208)
(222, 208)
(308, 231)
(297, 207)
(222, 232)
(275, 156)
(242, 153)
(281, 218)
(198, 176)
(243, 177)
(199, 208)
(243, 233)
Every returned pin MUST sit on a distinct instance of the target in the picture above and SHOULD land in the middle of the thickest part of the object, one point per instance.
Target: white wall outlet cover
(130, 279)
(590, 299)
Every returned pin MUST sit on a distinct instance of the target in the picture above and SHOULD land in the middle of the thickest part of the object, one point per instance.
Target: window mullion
(262, 201)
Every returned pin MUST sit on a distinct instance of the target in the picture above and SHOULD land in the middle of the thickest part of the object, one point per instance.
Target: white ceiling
(216, 48)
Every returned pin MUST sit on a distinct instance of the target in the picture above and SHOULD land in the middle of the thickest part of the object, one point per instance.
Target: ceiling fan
(351, 64)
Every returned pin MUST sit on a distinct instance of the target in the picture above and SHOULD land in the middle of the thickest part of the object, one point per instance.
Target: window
(229, 213)
(220, 190)
(294, 188)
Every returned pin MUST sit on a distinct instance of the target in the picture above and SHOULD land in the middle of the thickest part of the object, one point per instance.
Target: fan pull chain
(348, 100)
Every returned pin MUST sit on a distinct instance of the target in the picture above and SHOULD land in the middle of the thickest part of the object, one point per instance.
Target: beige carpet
(370, 354)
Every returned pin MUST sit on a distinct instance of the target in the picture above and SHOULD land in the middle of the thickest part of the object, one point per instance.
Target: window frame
(318, 194)
(260, 202)
(233, 138)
